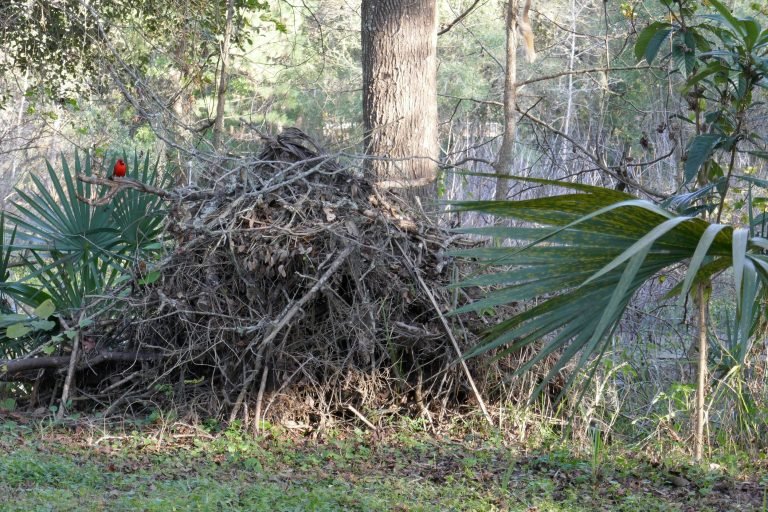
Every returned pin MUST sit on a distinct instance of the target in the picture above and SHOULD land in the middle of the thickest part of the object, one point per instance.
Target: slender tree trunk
(506, 158)
(569, 104)
(218, 125)
(699, 441)
(183, 103)
(399, 43)
(19, 119)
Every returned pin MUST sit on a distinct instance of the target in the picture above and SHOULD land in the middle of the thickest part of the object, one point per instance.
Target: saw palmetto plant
(586, 255)
(65, 249)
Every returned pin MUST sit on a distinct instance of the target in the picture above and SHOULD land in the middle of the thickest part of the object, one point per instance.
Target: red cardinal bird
(120, 169)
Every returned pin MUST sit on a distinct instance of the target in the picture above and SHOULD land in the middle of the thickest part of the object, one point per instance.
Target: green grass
(177, 468)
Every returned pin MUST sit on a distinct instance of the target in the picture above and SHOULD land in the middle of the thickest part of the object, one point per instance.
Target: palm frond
(73, 249)
(139, 217)
(585, 257)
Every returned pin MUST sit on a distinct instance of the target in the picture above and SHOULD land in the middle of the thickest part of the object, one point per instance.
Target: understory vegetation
(157, 464)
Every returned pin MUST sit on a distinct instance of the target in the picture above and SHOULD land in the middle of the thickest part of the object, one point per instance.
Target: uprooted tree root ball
(304, 296)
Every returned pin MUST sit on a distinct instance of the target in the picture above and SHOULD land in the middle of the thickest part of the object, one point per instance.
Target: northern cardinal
(120, 169)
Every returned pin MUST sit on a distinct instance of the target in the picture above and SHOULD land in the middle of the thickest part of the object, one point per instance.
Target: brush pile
(306, 295)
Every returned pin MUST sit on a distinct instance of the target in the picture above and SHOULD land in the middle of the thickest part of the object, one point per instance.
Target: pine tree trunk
(399, 43)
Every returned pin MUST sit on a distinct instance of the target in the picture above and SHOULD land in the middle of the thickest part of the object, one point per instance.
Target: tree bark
(506, 158)
(399, 44)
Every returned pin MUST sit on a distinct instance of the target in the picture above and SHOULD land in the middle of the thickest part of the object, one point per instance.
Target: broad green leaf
(752, 29)
(72, 249)
(45, 310)
(728, 18)
(642, 245)
(607, 194)
(608, 247)
(12, 318)
(712, 67)
(740, 238)
(650, 39)
(42, 325)
(580, 222)
(751, 179)
(745, 311)
(16, 331)
(152, 277)
(681, 202)
(699, 151)
(690, 52)
(698, 257)
(619, 297)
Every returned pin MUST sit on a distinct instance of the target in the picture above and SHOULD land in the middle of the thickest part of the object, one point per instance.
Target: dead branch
(295, 289)
(70, 372)
(117, 184)
(285, 318)
(594, 158)
(449, 26)
(12, 367)
(449, 332)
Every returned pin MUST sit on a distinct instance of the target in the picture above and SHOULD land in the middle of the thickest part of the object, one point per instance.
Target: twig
(290, 312)
(582, 71)
(259, 399)
(121, 382)
(449, 26)
(362, 418)
(448, 331)
(70, 371)
(117, 184)
(594, 158)
(419, 391)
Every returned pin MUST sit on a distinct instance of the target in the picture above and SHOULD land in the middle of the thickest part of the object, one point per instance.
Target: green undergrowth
(177, 467)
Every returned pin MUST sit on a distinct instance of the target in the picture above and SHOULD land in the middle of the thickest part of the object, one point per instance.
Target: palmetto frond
(140, 217)
(73, 249)
(585, 254)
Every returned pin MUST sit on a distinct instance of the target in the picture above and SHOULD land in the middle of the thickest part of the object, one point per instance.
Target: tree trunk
(218, 125)
(569, 105)
(399, 43)
(506, 158)
(701, 385)
(183, 104)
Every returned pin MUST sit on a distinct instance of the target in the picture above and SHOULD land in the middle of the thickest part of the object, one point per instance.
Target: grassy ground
(166, 467)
